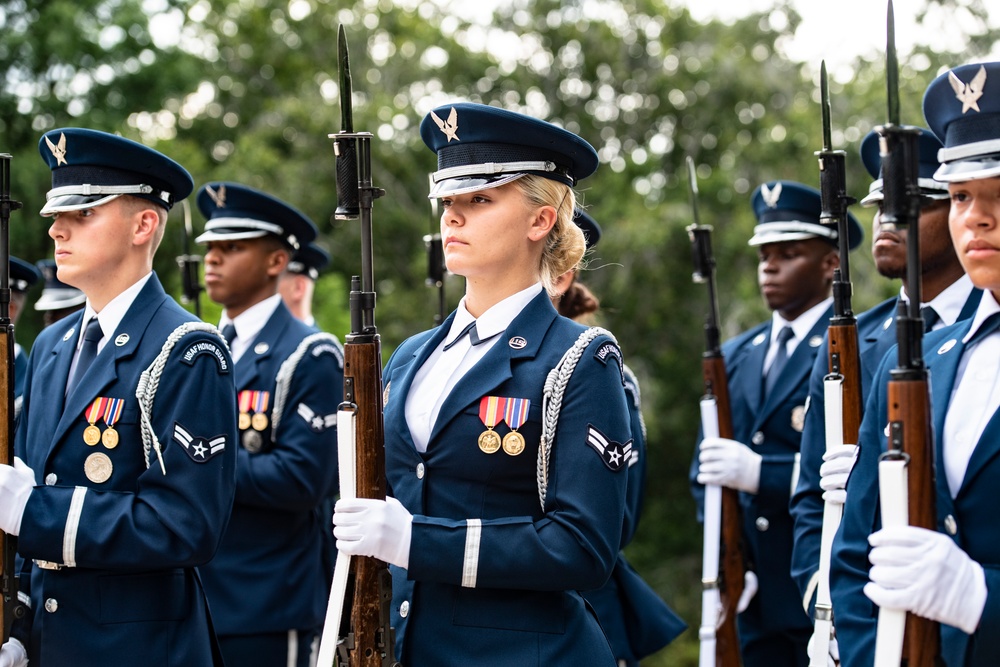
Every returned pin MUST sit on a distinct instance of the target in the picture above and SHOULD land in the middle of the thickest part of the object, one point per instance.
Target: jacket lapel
(256, 357)
(942, 364)
(496, 366)
(121, 345)
(797, 369)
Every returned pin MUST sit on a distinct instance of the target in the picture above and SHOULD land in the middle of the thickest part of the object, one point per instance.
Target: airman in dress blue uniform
(128, 477)
(57, 299)
(298, 283)
(635, 619)
(266, 584)
(22, 276)
(503, 504)
(949, 575)
(768, 383)
(944, 287)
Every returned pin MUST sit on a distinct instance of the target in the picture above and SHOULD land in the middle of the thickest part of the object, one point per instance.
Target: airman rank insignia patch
(199, 449)
(318, 423)
(211, 348)
(614, 454)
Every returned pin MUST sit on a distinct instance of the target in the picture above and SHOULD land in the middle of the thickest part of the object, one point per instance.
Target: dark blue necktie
(229, 333)
(474, 338)
(930, 317)
(88, 351)
(780, 359)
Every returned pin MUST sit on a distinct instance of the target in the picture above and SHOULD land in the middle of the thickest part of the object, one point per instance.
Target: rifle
(842, 385)
(362, 637)
(191, 286)
(722, 550)
(906, 471)
(12, 608)
(435, 260)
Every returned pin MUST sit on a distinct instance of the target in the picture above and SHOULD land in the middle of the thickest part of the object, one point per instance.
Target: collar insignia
(218, 196)
(969, 93)
(58, 150)
(449, 127)
(771, 196)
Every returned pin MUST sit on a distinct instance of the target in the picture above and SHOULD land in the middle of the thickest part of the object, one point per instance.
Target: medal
(111, 415)
(259, 419)
(253, 441)
(98, 467)
(92, 434)
(490, 412)
(515, 414)
(244, 401)
(513, 443)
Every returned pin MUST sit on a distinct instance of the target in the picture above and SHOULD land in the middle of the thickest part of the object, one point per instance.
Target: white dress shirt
(444, 368)
(249, 323)
(949, 303)
(109, 318)
(801, 326)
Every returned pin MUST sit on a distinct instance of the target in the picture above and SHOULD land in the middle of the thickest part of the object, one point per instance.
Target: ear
(277, 262)
(831, 262)
(146, 222)
(543, 222)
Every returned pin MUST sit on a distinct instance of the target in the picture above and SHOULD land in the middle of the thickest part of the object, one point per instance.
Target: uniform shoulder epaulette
(552, 396)
(312, 345)
(149, 381)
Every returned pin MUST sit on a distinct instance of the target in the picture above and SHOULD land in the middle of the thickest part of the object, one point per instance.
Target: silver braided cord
(633, 383)
(555, 388)
(149, 381)
(287, 370)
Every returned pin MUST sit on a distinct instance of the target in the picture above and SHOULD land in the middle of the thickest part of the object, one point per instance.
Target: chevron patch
(199, 449)
(318, 423)
(614, 454)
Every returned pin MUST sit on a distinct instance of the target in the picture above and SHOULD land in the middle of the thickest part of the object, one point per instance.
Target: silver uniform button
(758, 438)
(420, 471)
(404, 608)
(51, 479)
(950, 525)
(51, 605)
(762, 524)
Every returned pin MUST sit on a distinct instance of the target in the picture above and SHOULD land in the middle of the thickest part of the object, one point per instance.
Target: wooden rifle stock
(11, 608)
(731, 562)
(844, 359)
(911, 432)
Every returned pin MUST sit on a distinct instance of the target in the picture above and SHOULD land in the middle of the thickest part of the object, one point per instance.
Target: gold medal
(489, 441)
(259, 421)
(98, 467)
(244, 421)
(513, 443)
(110, 438)
(253, 442)
(91, 435)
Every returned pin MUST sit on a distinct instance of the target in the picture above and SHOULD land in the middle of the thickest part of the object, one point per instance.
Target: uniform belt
(48, 565)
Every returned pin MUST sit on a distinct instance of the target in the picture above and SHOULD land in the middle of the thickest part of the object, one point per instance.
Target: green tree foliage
(248, 90)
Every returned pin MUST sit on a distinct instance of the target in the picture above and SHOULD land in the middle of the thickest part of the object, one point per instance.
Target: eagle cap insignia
(450, 126)
(59, 150)
(217, 196)
(969, 93)
(771, 195)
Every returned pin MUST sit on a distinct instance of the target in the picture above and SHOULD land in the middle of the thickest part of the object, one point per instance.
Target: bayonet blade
(891, 66)
(346, 92)
(693, 189)
(824, 94)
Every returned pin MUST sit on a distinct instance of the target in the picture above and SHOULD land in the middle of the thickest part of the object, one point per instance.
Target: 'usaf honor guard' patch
(198, 348)
(614, 454)
(199, 449)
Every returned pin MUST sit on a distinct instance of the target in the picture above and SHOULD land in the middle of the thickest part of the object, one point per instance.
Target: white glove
(750, 586)
(837, 466)
(728, 463)
(16, 483)
(12, 654)
(924, 572)
(377, 528)
(833, 657)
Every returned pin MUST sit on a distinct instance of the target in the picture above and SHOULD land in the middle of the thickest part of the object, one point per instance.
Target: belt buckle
(48, 565)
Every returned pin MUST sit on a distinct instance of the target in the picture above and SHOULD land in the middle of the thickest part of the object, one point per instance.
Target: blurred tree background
(247, 90)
